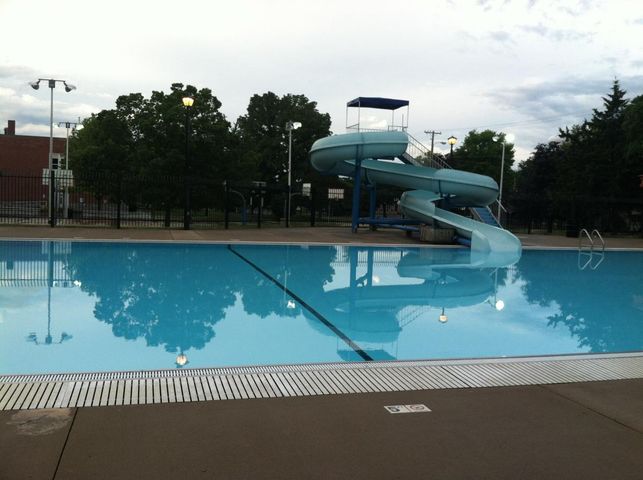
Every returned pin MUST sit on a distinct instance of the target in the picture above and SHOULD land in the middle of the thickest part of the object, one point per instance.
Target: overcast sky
(524, 67)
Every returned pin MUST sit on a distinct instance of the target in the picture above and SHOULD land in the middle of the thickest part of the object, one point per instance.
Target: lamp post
(67, 126)
(290, 126)
(503, 139)
(187, 103)
(451, 141)
(51, 83)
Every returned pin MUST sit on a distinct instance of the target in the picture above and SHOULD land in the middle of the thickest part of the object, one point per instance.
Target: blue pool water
(94, 306)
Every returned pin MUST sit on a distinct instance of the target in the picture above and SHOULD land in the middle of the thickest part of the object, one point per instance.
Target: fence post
(226, 215)
(187, 213)
(313, 190)
(52, 189)
(119, 200)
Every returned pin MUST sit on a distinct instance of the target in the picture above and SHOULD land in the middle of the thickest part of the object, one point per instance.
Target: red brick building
(25, 154)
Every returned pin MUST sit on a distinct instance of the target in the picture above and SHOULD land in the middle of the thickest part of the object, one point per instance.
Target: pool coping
(296, 243)
(20, 392)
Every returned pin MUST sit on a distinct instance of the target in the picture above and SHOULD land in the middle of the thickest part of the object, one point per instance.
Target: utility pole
(433, 133)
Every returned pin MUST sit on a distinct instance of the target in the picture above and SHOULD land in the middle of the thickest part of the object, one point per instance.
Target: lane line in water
(308, 307)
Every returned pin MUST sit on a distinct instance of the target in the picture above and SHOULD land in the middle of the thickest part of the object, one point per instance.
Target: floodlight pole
(51, 83)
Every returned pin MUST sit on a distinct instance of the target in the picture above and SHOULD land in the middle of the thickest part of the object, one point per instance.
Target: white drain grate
(198, 385)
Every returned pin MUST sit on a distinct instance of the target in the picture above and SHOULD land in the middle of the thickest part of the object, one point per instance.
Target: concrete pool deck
(575, 430)
(582, 430)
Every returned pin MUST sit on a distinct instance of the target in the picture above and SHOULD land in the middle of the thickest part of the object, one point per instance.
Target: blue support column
(357, 184)
(372, 202)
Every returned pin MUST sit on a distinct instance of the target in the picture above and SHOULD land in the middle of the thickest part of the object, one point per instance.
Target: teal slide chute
(360, 154)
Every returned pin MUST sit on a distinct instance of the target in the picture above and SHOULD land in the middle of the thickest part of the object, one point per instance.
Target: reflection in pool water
(164, 305)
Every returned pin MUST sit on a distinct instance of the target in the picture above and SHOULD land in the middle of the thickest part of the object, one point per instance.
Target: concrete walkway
(325, 235)
(583, 430)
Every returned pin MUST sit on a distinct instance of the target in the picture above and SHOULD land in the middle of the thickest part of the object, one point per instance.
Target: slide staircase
(485, 215)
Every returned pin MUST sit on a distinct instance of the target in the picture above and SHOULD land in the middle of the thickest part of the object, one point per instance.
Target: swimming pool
(98, 306)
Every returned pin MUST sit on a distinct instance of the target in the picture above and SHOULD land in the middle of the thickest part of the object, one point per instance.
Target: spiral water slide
(360, 154)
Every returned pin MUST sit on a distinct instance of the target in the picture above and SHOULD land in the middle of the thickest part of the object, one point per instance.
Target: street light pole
(187, 103)
(67, 126)
(290, 126)
(502, 173)
(51, 83)
(502, 138)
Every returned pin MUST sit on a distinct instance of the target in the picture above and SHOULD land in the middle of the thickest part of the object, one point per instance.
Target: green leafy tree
(536, 185)
(146, 138)
(263, 138)
(597, 172)
(633, 151)
(480, 153)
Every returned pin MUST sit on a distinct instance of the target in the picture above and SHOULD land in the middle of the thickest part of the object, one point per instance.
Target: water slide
(339, 155)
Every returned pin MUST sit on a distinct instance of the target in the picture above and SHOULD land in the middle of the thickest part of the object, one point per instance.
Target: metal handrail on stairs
(596, 234)
(587, 249)
(417, 149)
(581, 238)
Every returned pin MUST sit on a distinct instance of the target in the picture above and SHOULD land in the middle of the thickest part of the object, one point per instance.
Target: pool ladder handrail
(588, 249)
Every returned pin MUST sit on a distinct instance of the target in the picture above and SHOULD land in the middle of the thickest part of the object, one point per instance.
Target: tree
(597, 170)
(536, 184)
(145, 138)
(480, 153)
(263, 139)
(633, 147)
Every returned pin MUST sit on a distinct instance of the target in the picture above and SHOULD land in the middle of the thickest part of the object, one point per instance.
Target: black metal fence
(171, 202)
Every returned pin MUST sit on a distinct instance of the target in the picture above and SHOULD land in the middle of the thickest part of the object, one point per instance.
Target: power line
(522, 122)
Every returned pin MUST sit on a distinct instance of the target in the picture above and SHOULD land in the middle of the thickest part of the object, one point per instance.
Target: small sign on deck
(415, 408)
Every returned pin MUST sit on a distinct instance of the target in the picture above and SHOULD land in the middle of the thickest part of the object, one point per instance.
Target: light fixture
(69, 87)
(181, 360)
(35, 84)
(451, 141)
(188, 101)
(500, 305)
(290, 304)
(443, 318)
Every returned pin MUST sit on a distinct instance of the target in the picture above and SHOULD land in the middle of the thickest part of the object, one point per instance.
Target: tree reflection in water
(159, 293)
(597, 306)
